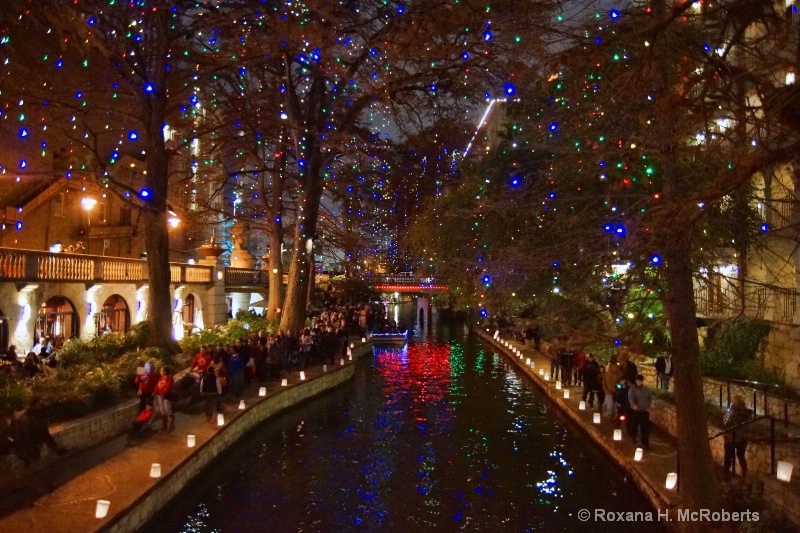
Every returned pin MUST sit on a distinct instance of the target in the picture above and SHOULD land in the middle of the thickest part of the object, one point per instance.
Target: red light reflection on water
(417, 374)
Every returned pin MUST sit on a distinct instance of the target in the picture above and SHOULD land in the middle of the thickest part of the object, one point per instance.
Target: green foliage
(602, 351)
(74, 352)
(125, 366)
(101, 349)
(245, 325)
(732, 351)
(13, 394)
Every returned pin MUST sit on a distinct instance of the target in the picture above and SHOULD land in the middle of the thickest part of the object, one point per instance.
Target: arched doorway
(3, 332)
(188, 310)
(57, 319)
(114, 317)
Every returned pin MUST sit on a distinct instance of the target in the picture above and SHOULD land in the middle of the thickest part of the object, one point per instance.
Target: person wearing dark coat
(664, 370)
(29, 431)
(591, 379)
(630, 372)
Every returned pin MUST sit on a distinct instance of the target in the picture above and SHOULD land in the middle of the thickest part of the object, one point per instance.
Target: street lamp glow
(88, 203)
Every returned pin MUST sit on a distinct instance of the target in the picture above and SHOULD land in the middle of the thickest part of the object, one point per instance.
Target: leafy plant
(244, 325)
(13, 394)
(732, 351)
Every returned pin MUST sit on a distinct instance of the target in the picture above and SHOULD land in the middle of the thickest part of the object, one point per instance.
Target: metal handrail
(771, 439)
(755, 386)
(734, 428)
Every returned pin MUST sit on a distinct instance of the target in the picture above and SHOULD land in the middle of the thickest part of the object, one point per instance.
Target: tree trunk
(311, 277)
(697, 478)
(294, 312)
(159, 300)
(699, 488)
(154, 218)
(275, 298)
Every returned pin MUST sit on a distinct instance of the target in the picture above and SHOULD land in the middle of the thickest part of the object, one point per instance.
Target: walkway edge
(158, 496)
(651, 492)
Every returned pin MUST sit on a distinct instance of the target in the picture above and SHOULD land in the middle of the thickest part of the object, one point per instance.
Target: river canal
(441, 434)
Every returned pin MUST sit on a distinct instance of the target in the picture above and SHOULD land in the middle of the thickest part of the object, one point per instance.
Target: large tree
(640, 152)
(102, 80)
(344, 72)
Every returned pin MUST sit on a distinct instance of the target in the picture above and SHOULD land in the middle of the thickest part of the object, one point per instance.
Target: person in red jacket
(147, 385)
(201, 361)
(163, 397)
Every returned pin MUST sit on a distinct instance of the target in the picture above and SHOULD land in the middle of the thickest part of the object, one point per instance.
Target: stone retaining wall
(777, 407)
(663, 415)
(758, 454)
(168, 487)
(653, 493)
(97, 428)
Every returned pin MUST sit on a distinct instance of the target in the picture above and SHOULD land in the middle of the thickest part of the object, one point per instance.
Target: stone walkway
(65, 500)
(649, 474)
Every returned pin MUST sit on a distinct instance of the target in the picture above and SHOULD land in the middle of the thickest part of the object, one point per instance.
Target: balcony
(30, 266)
(775, 304)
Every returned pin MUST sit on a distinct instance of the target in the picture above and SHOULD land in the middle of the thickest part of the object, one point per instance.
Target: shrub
(63, 395)
(75, 352)
(13, 394)
(126, 365)
(102, 385)
(732, 351)
(244, 325)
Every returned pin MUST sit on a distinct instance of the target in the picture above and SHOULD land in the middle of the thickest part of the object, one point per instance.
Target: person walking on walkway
(211, 389)
(735, 442)
(552, 353)
(163, 397)
(639, 400)
(611, 377)
(580, 362)
(664, 370)
(566, 360)
(591, 376)
(599, 389)
(29, 430)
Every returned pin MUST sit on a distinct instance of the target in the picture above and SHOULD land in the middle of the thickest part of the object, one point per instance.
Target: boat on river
(390, 339)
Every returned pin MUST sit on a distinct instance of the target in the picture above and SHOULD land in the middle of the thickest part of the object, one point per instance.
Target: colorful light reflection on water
(435, 435)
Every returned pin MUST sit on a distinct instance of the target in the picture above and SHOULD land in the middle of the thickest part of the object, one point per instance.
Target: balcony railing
(33, 266)
(769, 303)
(246, 277)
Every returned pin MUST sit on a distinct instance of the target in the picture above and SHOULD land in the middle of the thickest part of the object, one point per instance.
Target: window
(102, 212)
(58, 205)
(125, 216)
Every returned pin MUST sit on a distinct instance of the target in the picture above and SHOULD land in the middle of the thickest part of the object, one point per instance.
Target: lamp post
(88, 203)
(173, 221)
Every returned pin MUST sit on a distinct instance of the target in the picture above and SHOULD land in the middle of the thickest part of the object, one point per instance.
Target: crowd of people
(617, 387)
(40, 359)
(223, 371)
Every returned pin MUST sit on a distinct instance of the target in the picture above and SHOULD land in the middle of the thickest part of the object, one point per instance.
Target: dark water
(440, 435)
